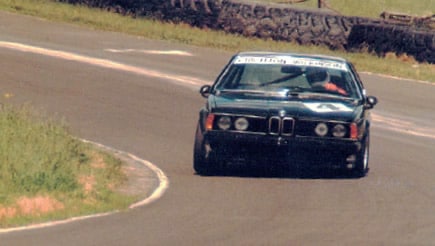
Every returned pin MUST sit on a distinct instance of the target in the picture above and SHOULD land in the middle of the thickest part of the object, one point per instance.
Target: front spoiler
(240, 148)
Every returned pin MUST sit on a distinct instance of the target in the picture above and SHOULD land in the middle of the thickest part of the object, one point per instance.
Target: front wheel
(362, 161)
(202, 162)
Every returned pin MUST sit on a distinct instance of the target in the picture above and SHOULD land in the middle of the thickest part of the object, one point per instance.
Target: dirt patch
(34, 206)
(98, 162)
(88, 183)
(7, 212)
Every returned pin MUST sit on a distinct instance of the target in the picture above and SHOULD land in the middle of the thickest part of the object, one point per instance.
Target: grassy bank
(405, 67)
(370, 8)
(46, 174)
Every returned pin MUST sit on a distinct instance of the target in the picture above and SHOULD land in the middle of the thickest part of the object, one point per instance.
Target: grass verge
(405, 67)
(369, 8)
(46, 174)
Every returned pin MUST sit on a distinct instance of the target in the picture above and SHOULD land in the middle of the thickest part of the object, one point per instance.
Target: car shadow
(284, 173)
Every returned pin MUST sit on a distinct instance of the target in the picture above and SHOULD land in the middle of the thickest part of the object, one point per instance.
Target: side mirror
(205, 91)
(371, 101)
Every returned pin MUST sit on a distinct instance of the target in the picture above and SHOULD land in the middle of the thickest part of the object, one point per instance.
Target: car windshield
(260, 74)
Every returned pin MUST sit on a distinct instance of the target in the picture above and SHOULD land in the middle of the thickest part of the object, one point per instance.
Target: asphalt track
(120, 91)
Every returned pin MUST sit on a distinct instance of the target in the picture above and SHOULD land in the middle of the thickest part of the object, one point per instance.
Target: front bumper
(300, 151)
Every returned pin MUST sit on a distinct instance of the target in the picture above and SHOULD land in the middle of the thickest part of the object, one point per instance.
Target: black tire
(362, 160)
(202, 163)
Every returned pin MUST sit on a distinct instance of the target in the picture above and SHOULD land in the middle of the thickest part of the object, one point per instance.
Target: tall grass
(39, 157)
(370, 8)
(373, 8)
(36, 155)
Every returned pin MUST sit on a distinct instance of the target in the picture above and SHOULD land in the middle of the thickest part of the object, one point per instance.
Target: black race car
(281, 109)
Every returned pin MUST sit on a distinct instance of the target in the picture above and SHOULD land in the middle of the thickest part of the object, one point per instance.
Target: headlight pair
(337, 130)
(239, 123)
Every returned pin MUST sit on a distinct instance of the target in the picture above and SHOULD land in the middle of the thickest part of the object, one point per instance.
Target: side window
(349, 84)
(344, 80)
(356, 75)
(231, 78)
(359, 88)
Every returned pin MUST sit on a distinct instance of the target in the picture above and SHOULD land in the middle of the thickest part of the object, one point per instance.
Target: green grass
(39, 157)
(371, 8)
(33, 153)
(94, 18)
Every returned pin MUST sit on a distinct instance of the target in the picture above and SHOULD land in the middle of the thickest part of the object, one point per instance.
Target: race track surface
(140, 96)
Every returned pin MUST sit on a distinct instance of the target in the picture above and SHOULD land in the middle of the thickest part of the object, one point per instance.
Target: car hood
(341, 109)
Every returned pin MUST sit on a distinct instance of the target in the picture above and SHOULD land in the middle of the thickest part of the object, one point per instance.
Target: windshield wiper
(325, 95)
(296, 90)
(238, 91)
(253, 92)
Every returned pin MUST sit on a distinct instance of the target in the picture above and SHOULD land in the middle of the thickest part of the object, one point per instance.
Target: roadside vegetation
(403, 66)
(47, 174)
(368, 8)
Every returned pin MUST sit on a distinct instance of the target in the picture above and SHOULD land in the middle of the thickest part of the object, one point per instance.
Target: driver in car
(320, 78)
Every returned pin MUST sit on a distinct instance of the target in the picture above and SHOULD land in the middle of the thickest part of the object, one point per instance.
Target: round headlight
(224, 123)
(321, 129)
(241, 124)
(339, 131)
